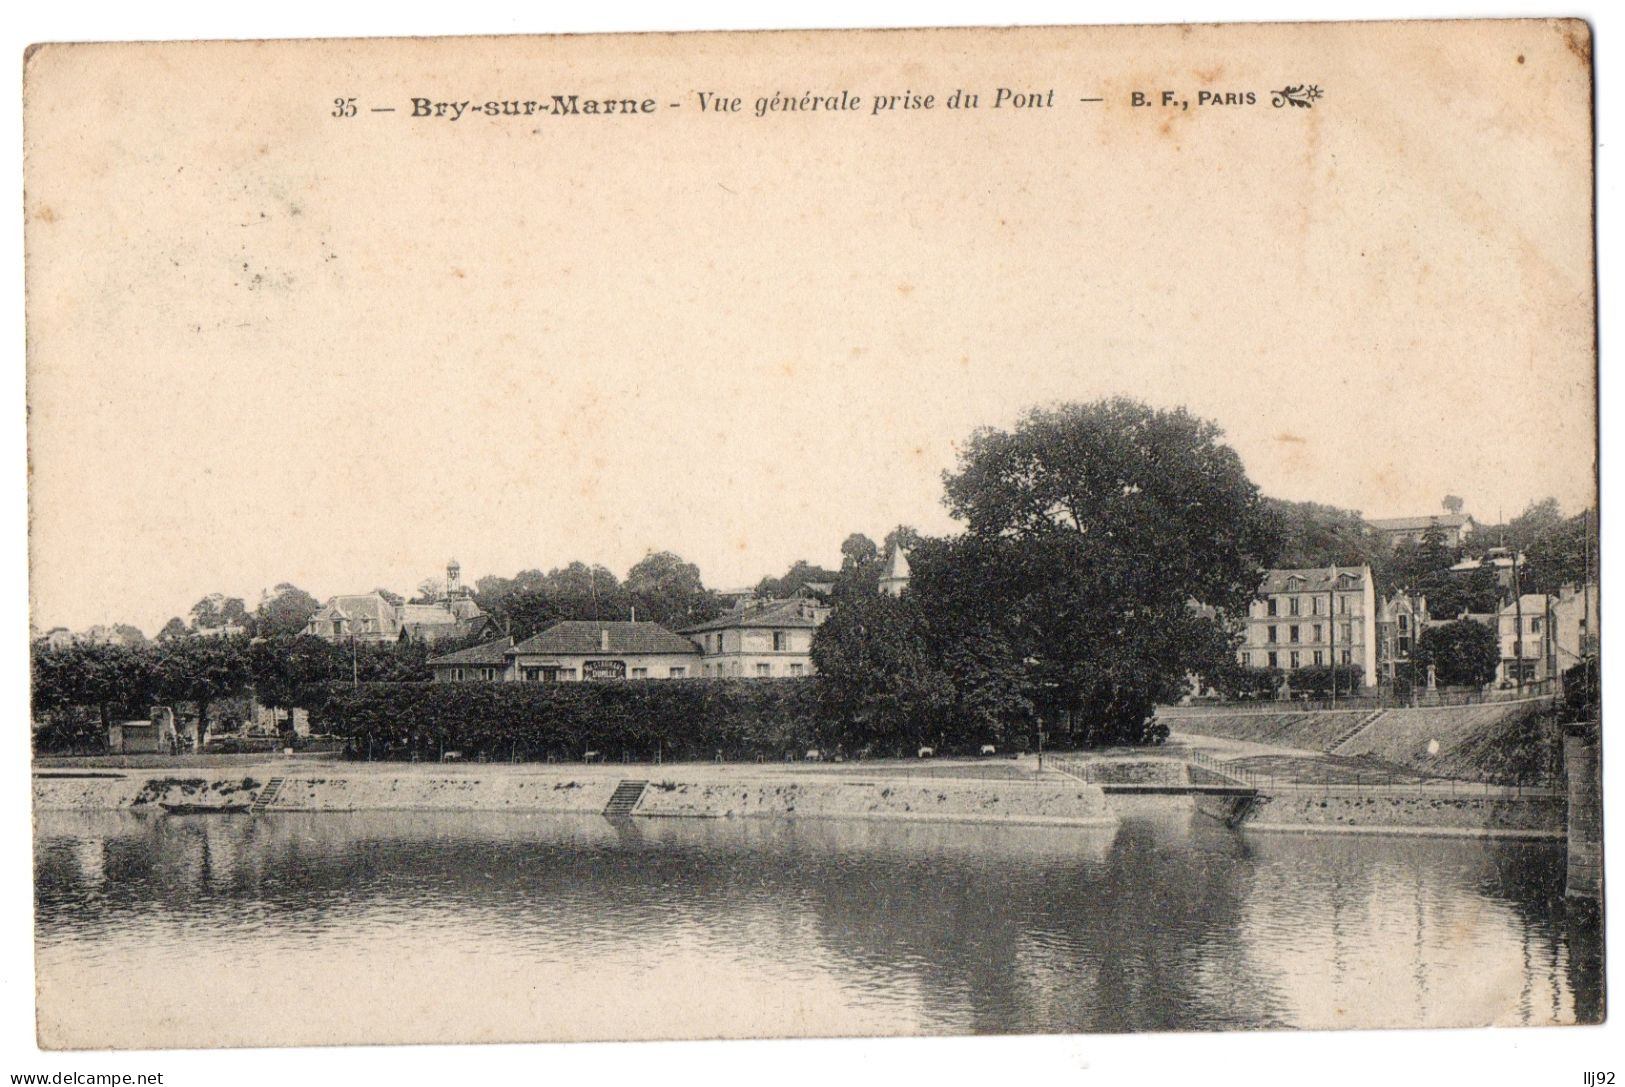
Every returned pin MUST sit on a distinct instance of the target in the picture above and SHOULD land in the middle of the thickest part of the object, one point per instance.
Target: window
(457, 674)
(1315, 632)
(1246, 660)
(488, 673)
(1348, 633)
(1319, 659)
(640, 673)
(1347, 656)
(717, 638)
(781, 641)
(1273, 638)
(1292, 659)
(1534, 626)
(1273, 610)
(1315, 605)
(567, 673)
(1404, 623)
(798, 669)
(1342, 605)
(678, 673)
(1274, 660)
(1293, 605)
(764, 669)
(1292, 633)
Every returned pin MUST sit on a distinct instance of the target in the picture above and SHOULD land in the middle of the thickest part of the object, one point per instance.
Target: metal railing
(1386, 701)
(1333, 781)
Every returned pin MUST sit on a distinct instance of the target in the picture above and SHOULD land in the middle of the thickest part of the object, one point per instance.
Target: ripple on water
(443, 926)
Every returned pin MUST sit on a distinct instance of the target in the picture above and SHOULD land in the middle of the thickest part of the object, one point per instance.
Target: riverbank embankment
(694, 791)
(1494, 813)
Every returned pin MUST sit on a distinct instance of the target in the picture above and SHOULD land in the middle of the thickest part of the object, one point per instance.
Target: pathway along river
(419, 927)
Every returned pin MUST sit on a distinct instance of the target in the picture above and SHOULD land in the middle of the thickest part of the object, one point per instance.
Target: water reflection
(438, 926)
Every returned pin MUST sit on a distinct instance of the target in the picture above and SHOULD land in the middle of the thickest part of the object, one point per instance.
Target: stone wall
(1506, 815)
(1584, 767)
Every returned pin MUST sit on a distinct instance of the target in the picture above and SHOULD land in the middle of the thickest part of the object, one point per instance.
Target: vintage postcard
(813, 534)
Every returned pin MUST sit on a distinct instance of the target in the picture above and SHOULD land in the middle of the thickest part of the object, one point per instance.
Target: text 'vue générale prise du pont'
(712, 102)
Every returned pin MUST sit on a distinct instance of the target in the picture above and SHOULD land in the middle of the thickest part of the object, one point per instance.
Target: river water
(398, 927)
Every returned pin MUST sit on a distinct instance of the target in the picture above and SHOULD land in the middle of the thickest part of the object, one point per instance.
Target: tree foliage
(795, 579)
(218, 610)
(1462, 653)
(692, 718)
(1093, 532)
(879, 682)
(284, 611)
(1313, 535)
(1096, 527)
(667, 590)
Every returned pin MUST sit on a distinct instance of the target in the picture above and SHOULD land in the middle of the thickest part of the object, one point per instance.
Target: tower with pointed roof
(894, 578)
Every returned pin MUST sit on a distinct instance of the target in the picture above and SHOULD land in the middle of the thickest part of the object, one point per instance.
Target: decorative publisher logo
(1301, 96)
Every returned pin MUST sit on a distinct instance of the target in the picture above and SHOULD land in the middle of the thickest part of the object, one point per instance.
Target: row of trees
(661, 587)
(80, 689)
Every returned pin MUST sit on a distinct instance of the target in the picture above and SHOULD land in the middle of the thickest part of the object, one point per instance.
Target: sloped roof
(773, 613)
(1412, 524)
(424, 614)
(580, 638)
(1529, 604)
(1318, 579)
(364, 606)
(896, 564)
(489, 653)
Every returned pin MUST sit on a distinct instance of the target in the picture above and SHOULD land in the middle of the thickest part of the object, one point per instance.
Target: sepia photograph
(812, 534)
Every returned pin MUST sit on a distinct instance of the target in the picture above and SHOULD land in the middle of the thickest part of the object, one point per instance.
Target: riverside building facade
(763, 641)
(572, 651)
(1314, 618)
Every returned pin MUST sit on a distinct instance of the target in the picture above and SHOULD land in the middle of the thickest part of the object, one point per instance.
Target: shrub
(692, 718)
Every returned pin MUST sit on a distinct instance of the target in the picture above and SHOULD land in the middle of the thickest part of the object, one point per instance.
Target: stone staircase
(1364, 723)
(267, 796)
(625, 798)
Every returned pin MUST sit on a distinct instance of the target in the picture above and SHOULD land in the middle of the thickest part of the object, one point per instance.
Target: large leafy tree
(800, 573)
(285, 668)
(113, 680)
(1316, 535)
(217, 610)
(666, 589)
(202, 671)
(1461, 653)
(284, 611)
(879, 682)
(1099, 526)
(1562, 553)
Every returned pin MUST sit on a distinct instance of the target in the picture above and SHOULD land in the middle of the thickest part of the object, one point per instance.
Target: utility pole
(1517, 611)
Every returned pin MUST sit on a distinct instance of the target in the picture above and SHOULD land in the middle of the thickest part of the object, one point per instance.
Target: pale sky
(269, 345)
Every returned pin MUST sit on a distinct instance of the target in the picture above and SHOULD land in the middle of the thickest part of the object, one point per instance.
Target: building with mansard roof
(763, 640)
(1309, 618)
(369, 618)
